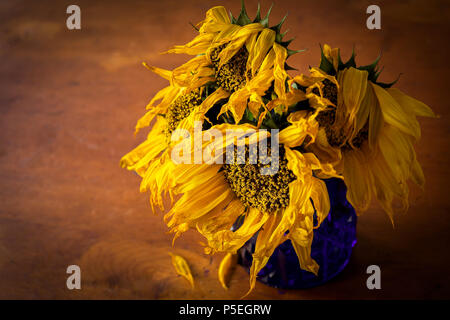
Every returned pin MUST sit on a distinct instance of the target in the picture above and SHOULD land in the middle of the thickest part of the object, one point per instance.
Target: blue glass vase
(331, 247)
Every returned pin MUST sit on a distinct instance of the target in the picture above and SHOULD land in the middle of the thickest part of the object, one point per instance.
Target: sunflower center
(181, 108)
(231, 76)
(266, 193)
(329, 91)
(326, 120)
(336, 138)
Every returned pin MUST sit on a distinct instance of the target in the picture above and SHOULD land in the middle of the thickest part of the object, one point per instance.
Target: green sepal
(292, 52)
(390, 84)
(258, 14)
(233, 19)
(193, 26)
(243, 18)
(350, 62)
(277, 28)
(265, 20)
(286, 43)
(372, 69)
(377, 74)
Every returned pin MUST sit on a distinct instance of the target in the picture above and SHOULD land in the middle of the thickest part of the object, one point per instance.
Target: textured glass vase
(331, 248)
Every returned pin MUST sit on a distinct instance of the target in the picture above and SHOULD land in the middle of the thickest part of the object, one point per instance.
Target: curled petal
(182, 268)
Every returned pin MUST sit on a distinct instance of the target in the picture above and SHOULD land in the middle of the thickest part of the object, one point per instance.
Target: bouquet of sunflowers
(338, 121)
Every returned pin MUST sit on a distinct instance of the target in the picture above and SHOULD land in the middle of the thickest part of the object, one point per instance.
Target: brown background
(69, 101)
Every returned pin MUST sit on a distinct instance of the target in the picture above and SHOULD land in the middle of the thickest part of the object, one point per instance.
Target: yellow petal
(280, 74)
(322, 149)
(182, 268)
(332, 55)
(216, 19)
(300, 128)
(258, 53)
(226, 268)
(269, 238)
(301, 235)
(268, 61)
(419, 108)
(376, 120)
(163, 73)
(353, 84)
(417, 174)
(358, 180)
(236, 42)
(394, 114)
(199, 45)
(229, 241)
(220, 220)
(198, 201)
(321, 200)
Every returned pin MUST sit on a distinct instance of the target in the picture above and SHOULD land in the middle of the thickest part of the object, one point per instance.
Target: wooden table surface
(69, 103)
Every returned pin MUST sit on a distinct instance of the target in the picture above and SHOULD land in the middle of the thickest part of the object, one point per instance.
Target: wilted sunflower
(176, 102)
(236, 81)
(366, 129)
(235, 59)
(277, 207)
(246, 56)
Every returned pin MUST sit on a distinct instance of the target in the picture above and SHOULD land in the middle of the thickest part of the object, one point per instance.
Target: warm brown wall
(69, 102)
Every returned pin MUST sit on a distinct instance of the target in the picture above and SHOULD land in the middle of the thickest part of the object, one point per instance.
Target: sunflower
(286, 204)
(367, 130)
(236, 62)
(246, 56)
(176, 102)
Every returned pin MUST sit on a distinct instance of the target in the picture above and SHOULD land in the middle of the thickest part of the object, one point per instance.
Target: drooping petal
(236, 42)
(359, 180)
(182, 268)
(225, 269)
(216, 19)
(280, 73)
(229, 241)
(258, 53)
(332, 55)
(409, 103)
(394, 114)
(301, 127)
(266, 243)
(353, 84)
(301, 236)
(198, 201)
(197, 46)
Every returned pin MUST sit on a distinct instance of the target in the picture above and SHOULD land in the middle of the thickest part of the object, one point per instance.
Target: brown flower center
(231, 76)
(329, 91)
(181, 108)
(266, 193)
(336, 138)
